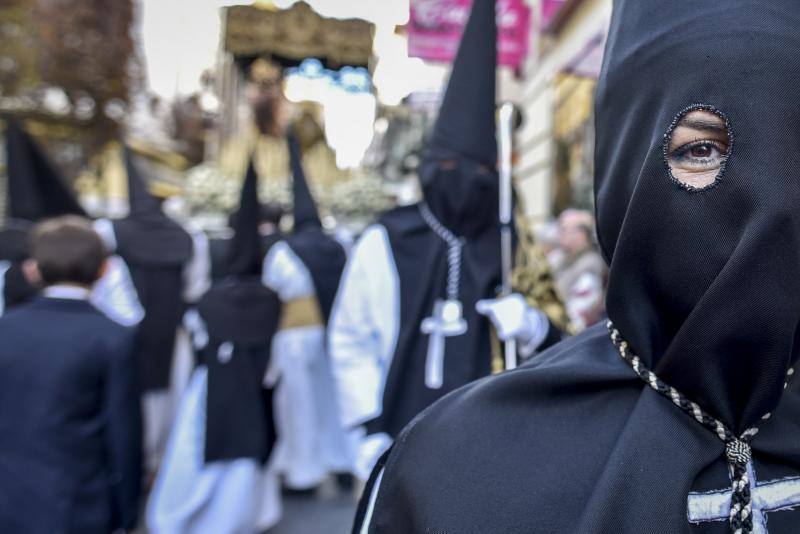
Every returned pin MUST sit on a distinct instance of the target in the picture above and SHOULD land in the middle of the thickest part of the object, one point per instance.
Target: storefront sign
(549, 10)
(435, 27)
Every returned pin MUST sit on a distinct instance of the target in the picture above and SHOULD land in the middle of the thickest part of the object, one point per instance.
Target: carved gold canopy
(297, 33)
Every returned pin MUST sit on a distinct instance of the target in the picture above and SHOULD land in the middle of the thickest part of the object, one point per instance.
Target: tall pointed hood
(35, 188)
(244, 254)
(139, 198)
(459, 167)
(148, 235)
(304, 208)
(466, 121)
(321, 254)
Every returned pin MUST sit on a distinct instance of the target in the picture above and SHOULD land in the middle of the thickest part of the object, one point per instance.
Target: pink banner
(549, 10)
(435, 27)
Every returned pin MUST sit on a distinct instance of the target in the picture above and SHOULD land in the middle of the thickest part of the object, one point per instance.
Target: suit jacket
(70, 427)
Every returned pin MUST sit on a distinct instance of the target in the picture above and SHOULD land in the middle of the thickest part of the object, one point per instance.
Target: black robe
(241, 317)
(421, 260)
(703, 287)
(156, 251)
(572, 442)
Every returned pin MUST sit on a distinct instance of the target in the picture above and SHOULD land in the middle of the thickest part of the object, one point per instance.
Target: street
(323, 514)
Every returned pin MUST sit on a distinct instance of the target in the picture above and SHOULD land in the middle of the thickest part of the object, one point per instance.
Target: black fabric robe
(243, 315)
(156, 249)
(571, 442)
(703, 287)
(156, 268)
(421, 260)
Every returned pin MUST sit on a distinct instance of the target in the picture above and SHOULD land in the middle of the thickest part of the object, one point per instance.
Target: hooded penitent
(35, 191)
(739, 238)
(241, 316)
(460, 185)
(703, 288)
(245, 254)
(156, 250)
(459, 166)
(322, 255)
(35, 188)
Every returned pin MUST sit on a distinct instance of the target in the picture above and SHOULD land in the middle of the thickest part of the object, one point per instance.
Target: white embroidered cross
(767, 497)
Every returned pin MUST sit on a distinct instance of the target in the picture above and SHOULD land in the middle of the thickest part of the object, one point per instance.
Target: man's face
(572, 233)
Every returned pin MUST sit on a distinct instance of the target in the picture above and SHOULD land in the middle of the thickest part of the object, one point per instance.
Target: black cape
(159, 285)
(572, 442)
(243, 315)
(156, 250)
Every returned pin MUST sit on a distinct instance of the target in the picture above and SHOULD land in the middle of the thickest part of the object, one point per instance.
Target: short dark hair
(68, 250)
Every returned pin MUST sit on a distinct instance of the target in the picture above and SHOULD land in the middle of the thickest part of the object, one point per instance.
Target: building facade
(555, 145)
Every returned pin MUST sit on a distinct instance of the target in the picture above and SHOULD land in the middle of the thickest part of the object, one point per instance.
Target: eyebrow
(703, 124)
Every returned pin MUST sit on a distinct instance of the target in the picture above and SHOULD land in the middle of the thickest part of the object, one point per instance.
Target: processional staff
(505, 127)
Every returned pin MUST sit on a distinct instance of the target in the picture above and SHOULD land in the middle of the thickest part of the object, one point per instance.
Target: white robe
(311, 439)
(159, 407)
(115, 295)
(362, 333)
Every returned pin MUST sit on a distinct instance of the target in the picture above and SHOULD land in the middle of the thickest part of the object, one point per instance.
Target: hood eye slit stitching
(668, 137)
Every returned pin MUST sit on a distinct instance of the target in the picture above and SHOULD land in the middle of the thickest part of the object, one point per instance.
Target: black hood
(322, 255)
(140, 201)
(304, 208)
(147, 236)
(459, 167)
(466, 121)
(36, 190)
(245, 254)
(14, 237)
(703, 284)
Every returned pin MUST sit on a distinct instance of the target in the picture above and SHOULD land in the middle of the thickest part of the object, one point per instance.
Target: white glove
(514, 319)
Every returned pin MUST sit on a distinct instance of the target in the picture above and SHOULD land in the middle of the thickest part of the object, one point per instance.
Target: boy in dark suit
(70, 429)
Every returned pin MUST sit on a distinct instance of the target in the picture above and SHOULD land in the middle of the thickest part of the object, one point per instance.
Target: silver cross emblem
(766, 497)
(447, 321)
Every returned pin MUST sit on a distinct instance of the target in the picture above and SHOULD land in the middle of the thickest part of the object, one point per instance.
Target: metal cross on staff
(766, 497)
(446, 321)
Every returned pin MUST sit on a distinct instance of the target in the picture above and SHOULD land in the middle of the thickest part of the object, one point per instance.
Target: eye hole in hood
(697, 146)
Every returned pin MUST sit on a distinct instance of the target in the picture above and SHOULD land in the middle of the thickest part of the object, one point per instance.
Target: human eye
(697, 148)
(699, 155)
